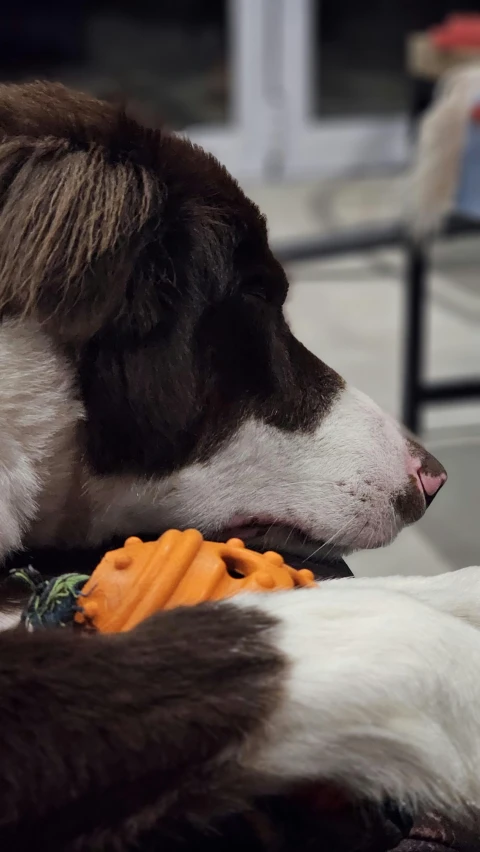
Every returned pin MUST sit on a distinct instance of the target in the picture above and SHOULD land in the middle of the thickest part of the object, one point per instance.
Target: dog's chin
(297, 548)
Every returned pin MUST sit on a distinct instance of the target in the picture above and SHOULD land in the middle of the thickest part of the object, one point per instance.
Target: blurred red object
(458, 31)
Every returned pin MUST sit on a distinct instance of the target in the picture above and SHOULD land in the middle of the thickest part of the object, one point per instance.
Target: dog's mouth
(297, 548)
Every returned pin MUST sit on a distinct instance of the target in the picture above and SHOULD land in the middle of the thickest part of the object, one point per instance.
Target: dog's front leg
(383, 696)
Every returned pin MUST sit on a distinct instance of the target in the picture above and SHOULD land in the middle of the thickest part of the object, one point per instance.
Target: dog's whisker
(332, 540)
(342, 531)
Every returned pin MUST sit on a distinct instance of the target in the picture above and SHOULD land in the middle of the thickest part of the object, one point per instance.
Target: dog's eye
(258, 293)
(256, 288)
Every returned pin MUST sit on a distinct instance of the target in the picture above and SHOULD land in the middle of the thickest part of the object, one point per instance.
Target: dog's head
(150, 268)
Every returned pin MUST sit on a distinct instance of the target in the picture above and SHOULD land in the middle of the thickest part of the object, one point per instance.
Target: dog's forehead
(181, 170)
(213, 200)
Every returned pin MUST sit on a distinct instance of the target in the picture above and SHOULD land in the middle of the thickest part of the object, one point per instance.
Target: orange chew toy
(179, 569)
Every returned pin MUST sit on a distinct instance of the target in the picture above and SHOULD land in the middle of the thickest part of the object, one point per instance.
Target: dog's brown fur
(85, 190)
(104, 738)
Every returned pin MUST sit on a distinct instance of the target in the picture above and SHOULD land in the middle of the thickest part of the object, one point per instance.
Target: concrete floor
(349, 311)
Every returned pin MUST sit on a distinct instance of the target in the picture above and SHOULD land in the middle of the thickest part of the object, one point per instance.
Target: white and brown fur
(149, 379)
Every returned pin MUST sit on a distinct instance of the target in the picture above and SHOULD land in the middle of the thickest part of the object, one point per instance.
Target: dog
(150, 380)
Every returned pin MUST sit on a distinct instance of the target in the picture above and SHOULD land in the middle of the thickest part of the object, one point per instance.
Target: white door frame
(315, 146)
(242, 144)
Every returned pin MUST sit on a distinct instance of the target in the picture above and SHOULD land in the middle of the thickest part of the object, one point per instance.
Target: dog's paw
(381, 697)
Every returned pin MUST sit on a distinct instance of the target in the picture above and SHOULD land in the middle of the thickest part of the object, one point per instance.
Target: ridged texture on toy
(179, 569)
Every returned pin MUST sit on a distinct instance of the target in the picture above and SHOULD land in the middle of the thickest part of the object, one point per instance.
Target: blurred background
(310, 104)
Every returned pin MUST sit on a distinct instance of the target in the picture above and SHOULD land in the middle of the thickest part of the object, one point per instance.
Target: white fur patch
(38, 418)
(10, 619)
(382, 695)
(335, 483)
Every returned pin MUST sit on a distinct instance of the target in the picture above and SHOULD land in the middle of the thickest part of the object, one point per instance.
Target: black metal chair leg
(415, 285)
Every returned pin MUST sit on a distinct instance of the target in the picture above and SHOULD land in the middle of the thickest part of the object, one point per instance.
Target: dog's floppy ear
(78, 193)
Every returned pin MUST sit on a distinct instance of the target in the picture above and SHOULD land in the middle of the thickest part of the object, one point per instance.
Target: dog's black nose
(432, 477)
(427, 470)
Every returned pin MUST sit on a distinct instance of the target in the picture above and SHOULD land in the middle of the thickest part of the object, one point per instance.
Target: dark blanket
(433, 834)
